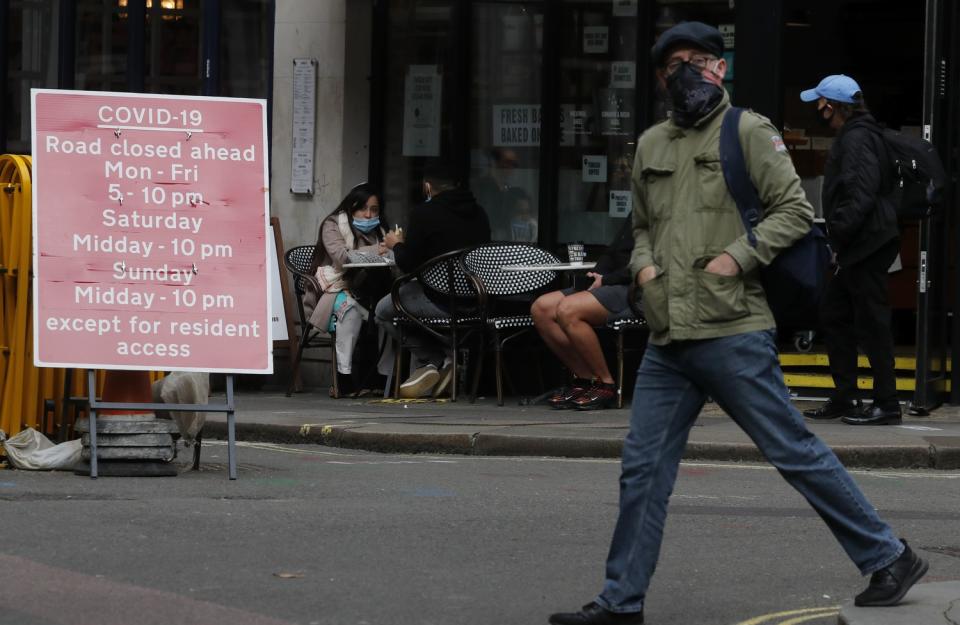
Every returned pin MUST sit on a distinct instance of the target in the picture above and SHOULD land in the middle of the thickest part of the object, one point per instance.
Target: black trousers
(855, 311)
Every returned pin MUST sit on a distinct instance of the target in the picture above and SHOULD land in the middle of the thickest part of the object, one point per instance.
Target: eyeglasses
(698, 61)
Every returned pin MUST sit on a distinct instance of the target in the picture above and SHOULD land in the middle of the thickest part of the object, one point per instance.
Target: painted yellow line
(804, 619)
(907, 363)
(820, 612)
(823, 380)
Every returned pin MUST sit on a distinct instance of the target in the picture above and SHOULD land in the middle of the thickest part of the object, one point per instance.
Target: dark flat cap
(698, 34)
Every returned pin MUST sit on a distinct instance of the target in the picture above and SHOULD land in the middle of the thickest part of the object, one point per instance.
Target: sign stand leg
(231, 432)
(92, 394)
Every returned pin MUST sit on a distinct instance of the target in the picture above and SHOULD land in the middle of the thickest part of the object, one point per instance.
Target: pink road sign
(150, 222)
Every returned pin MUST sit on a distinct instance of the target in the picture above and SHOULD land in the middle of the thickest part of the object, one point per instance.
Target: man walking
(712, 334)
(862, 226)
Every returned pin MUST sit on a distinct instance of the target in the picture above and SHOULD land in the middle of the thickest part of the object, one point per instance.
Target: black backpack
(794, 281)
(918, 174)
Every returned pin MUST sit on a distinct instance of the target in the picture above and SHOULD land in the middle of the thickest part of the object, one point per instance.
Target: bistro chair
(503, 288)
(298, 260)
(443, 275)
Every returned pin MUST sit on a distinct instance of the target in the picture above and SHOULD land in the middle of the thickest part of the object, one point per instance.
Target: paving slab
(925, 604)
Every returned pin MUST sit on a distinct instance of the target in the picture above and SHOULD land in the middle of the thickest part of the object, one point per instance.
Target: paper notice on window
(516, 125)
(421, 111)
(728, 32)
(596, 39)
(595, 168)
(621, 203)
(625, 8)
(623, 74)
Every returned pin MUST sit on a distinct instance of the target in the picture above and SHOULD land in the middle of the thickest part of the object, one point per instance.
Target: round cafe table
(551, 267)
(388, 263)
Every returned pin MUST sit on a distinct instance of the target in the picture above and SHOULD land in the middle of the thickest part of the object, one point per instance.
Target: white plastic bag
(33, 451)
(184, 387)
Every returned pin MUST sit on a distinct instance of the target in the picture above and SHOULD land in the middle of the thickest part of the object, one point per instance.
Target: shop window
(505, 116)
(598, 118)
(31, 61)
(245, 55)
(420, 93)
(102, 33)
(172, 47)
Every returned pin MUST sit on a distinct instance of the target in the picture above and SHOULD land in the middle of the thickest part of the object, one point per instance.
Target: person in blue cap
(862, 227)
(712, 334)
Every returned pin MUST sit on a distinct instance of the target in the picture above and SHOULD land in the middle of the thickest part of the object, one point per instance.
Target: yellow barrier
(23, 387)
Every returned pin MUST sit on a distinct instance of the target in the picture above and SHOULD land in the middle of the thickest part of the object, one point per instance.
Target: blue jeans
(742, 374)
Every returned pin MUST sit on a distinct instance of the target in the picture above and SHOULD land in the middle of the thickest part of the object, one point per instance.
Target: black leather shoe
(593, 614)
(889, 585)
(834, 409)
(876, 415)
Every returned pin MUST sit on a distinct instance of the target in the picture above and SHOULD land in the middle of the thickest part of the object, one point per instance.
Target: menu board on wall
(150, 232)
(422, 107)
(304, 125)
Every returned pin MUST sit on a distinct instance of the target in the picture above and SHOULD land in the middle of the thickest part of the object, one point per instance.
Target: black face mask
(692, 96)
(824, 122)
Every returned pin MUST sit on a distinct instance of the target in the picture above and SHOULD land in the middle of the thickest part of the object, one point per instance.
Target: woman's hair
(355, 199)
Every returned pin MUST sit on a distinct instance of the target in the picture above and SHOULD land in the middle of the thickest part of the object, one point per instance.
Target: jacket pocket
(658, 189)
(655, 303)
(712, 186)
(720, 298)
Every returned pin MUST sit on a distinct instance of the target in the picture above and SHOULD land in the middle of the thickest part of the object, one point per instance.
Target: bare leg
(577, 314)
(544, 313)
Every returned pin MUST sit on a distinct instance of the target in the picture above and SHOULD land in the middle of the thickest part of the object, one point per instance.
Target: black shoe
(593, 614)
(834, 409)
(889, 585)
(876, 415)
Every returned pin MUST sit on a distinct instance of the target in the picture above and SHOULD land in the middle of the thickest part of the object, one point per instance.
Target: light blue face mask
(366, 225)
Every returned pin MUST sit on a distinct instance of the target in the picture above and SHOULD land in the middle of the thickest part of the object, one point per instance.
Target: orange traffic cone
(127, 386)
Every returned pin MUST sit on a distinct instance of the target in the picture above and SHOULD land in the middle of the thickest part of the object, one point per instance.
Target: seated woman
(335, 300)
(565, 320)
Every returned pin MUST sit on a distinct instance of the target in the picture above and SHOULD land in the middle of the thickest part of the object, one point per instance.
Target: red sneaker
(597, 397)
(563, 398)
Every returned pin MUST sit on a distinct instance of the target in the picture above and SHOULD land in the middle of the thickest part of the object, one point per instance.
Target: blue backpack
(795, 279)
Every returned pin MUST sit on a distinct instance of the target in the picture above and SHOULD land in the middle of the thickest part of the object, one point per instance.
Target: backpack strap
(889, 168)
(735, 173)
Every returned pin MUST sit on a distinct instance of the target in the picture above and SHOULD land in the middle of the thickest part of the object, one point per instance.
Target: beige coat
(334, 250)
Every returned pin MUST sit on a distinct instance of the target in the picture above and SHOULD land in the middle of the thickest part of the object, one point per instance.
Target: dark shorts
(613, 298)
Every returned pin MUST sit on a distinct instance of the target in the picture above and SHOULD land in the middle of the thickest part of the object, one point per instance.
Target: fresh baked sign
(150, 222)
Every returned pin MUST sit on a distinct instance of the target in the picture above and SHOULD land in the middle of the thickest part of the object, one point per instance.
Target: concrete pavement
(483, 428)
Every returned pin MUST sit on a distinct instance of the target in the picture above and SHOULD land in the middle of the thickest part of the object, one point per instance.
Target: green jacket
(683, 216)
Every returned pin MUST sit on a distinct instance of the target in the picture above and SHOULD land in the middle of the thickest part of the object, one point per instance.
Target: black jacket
(452, 220)
(614, 264)
(860, 216)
